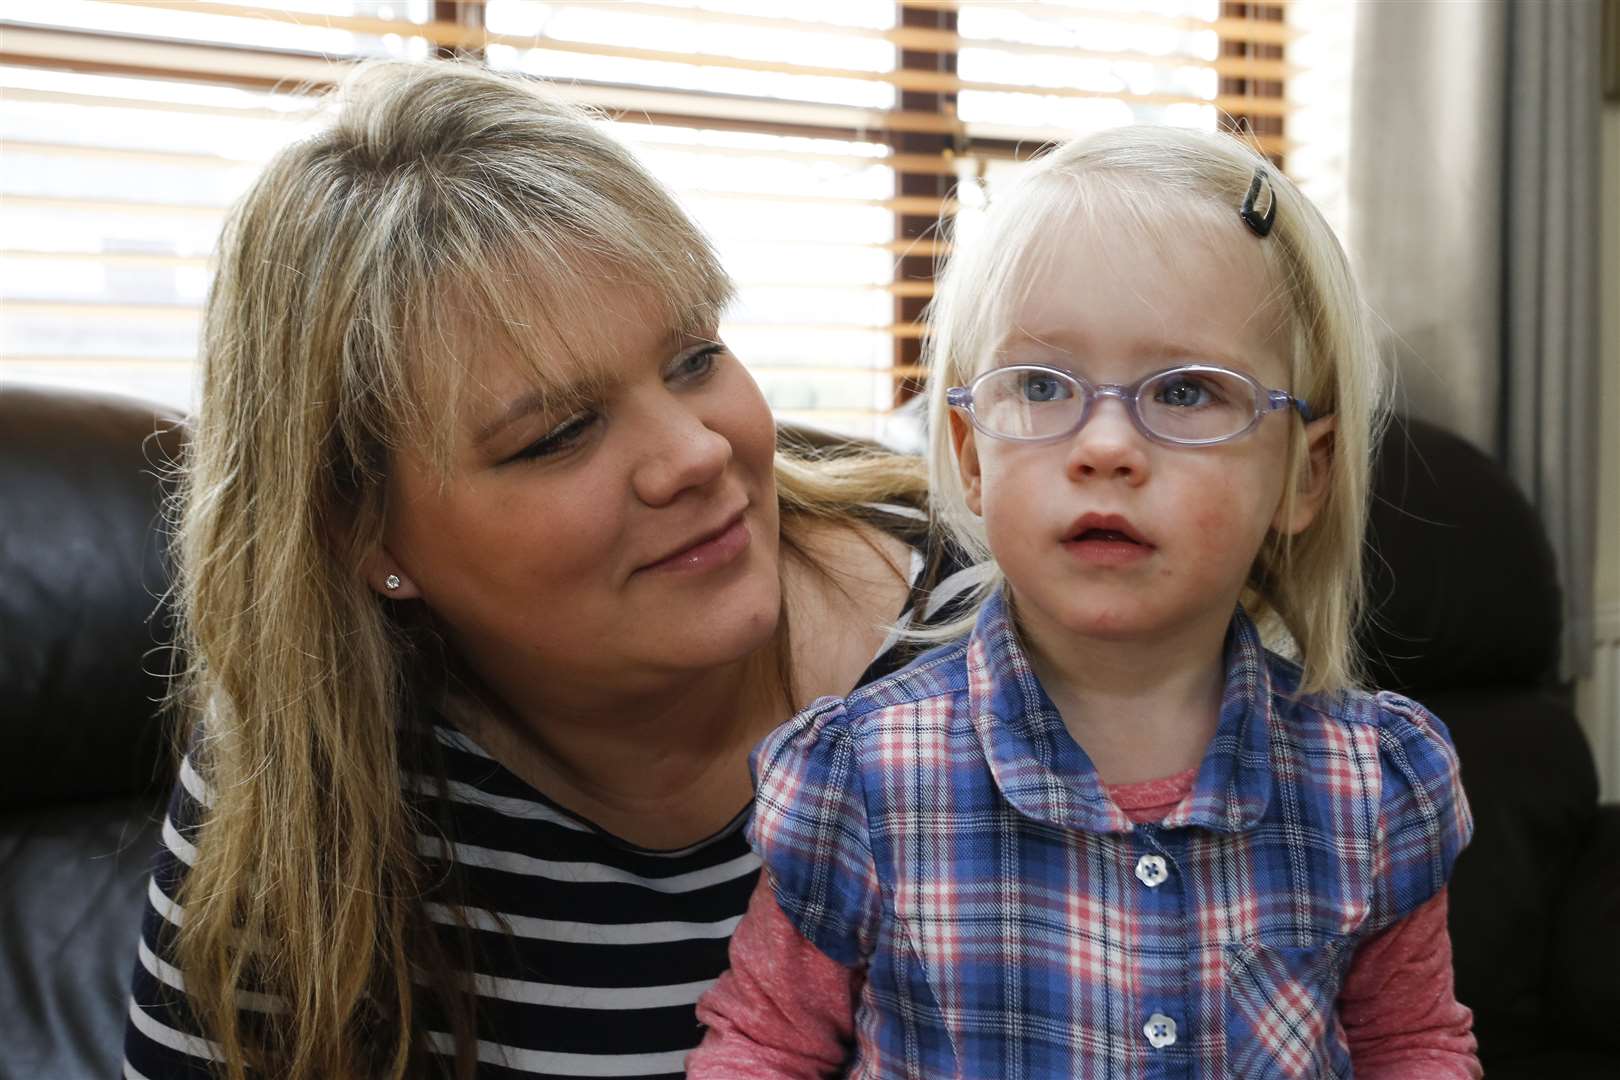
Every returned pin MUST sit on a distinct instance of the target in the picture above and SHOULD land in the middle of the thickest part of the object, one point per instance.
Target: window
(820, 145)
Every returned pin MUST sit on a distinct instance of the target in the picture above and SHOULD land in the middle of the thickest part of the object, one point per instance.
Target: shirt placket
(1163, 1019)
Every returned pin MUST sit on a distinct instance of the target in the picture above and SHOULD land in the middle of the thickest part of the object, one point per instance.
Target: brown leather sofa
(1469, 630)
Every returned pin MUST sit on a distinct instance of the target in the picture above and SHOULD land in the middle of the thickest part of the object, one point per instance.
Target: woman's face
(614, 536)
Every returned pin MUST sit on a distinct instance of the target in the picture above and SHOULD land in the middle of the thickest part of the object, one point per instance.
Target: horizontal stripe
(953, 586)
(618, 998)
(171, 976)
(164, 1035)
(194, 784)
(582, 873)
(898, 628)
(526, 809)
(172, 912)
(457, 741)
(183, 849)
(900, 511)
(540, 1061)
(165, 973)
(584, 933)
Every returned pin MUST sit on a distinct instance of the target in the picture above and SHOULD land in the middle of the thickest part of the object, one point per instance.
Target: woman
(489, 578)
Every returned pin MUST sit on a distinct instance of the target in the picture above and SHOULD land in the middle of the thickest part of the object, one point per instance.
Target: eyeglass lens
(1184, 404)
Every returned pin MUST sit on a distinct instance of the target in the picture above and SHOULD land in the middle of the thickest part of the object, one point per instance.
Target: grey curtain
(1473, 188)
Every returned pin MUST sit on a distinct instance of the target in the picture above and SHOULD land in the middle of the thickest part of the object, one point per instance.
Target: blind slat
(1258, 31)
(107, 258)
(452, 35)
(455, 36)
(122, 153)
(909, 204)
(930, 40)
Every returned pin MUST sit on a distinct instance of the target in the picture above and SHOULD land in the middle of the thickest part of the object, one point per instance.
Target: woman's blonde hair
(1150, 181)
(440, 197)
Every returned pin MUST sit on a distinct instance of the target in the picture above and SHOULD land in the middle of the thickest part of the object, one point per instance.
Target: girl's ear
(1315, 477)
(382, 572)
(967, 460)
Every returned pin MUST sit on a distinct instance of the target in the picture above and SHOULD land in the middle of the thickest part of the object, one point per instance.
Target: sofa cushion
(84, 574)
(1462, 586)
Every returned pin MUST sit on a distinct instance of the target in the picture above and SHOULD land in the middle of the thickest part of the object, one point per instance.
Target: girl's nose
(1108, 446)
(678, 453)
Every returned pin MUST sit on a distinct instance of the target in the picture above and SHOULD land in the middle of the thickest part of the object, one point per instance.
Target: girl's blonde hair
(1151, 180)
(441, 198)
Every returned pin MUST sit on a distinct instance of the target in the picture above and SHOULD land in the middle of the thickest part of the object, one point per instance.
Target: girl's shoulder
(1391, 714)
(1419, 782)
(1392, 759)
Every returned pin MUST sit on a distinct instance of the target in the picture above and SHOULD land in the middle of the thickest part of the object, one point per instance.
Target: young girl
(1110, 834)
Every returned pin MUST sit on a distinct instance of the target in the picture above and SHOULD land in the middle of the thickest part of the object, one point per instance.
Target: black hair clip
(1259, 205)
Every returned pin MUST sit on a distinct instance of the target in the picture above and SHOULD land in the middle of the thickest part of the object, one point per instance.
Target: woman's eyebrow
(539, 399)
(523, 405)
(590, 383)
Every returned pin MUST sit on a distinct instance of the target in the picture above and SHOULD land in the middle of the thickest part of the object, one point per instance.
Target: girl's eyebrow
(1061, 340)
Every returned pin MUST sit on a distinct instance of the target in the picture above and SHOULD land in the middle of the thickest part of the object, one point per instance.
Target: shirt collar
(1045, 775)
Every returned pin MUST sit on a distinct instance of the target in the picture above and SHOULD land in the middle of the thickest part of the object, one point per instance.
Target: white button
(1151, 870)
(1160, 1030)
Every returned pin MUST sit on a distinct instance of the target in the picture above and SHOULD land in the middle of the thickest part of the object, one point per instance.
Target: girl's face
(610, 541)
(1107, 534)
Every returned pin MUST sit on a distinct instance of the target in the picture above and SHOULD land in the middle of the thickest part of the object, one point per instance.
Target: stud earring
(391, 582)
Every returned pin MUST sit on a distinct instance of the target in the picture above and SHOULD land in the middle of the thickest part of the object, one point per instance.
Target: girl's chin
(1120, 623)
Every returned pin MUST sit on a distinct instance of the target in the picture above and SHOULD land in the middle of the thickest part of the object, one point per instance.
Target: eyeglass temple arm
(1281, 399)
(958, 397)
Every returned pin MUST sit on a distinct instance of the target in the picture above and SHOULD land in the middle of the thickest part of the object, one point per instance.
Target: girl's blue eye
(559, 439)
(1037, 387)
(1184, 392)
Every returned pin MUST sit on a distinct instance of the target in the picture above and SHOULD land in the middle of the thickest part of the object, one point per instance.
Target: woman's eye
(560, 438)
(696, 365)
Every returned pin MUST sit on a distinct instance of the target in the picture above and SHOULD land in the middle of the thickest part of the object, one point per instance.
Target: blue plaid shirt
(942, 829)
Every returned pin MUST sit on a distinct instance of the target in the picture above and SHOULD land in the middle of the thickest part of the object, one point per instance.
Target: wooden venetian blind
(822, 146)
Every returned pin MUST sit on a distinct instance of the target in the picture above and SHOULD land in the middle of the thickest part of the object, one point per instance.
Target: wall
(1599, 697)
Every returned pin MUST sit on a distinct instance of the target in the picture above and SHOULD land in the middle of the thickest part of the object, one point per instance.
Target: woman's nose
(679, 452)
(1108, 446)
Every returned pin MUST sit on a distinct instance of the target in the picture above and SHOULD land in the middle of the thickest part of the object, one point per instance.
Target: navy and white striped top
(606, 946)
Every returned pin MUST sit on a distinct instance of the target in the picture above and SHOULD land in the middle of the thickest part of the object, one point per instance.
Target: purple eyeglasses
(1188, 405)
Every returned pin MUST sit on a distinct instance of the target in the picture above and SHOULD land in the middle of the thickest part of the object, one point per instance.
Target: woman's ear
(967, 460)
(382, 572)
(1312, 481)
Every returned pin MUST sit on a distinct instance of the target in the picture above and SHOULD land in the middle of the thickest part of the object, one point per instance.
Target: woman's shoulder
(876, 547)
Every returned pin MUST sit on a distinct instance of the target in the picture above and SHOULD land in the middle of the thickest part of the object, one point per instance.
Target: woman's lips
(711, 554)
